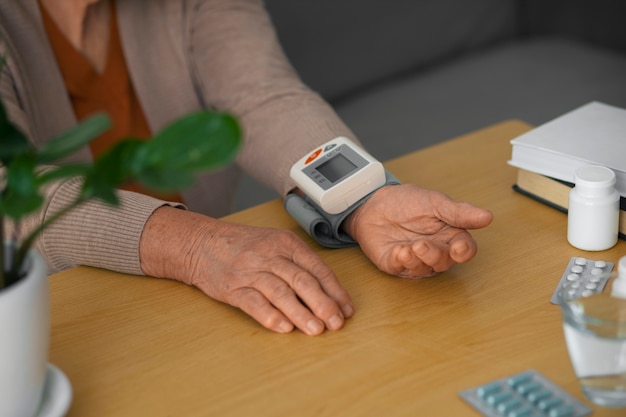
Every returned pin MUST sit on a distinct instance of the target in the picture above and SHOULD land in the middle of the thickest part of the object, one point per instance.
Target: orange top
(110, 92)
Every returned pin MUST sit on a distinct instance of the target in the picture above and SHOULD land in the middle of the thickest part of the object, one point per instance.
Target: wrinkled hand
(270, 274)
(413, 232)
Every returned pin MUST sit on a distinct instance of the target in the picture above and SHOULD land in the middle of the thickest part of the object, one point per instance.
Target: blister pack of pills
(527, 394)
(584, 276)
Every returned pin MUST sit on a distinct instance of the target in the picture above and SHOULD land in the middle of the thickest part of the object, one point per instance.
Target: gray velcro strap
(325, 228)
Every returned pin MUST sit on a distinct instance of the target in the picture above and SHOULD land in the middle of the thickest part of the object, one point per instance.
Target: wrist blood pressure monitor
(338, 174)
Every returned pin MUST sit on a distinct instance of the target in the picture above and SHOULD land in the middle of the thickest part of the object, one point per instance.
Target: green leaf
(63, 172)
(16, 205)
(13, 143)
(199, 141)
(111, 170)
(74, 139)
(164, 180)
(21, 194)
(115, 166)
(21, 175)
(98, 186)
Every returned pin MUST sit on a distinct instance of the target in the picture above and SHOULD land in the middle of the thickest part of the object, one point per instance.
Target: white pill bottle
(593, 212)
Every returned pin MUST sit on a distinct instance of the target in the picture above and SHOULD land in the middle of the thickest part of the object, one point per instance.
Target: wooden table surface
(138, 346)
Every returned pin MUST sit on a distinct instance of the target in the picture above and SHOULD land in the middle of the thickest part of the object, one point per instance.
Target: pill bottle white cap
(594, 180)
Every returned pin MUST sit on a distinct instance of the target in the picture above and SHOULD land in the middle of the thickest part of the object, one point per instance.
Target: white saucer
(57, 394)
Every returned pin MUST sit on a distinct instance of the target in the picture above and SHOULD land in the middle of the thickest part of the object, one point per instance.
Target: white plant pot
(24, 341)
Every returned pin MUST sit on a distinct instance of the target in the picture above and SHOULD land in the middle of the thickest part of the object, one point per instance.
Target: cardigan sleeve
(96, 234)
(240, 66)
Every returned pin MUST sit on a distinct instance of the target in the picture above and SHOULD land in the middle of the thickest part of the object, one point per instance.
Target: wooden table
(137, 346)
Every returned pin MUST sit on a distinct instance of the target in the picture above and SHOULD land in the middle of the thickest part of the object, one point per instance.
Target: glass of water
(595, 333)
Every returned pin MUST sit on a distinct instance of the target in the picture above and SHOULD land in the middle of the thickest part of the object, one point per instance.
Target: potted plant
(199, 141)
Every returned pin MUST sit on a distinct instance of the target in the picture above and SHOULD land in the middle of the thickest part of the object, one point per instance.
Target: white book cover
(592, 134)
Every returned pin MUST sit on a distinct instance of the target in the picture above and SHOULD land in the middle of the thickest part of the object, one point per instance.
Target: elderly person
(147, 62)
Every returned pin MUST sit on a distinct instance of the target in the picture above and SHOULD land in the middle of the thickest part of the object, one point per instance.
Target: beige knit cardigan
(182, 55)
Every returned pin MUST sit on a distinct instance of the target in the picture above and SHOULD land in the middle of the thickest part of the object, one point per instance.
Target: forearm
(170, 240)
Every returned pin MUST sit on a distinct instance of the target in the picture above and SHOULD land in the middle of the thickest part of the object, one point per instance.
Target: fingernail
(315, 327)
(348, 310)
(285, 327)
(335, 322)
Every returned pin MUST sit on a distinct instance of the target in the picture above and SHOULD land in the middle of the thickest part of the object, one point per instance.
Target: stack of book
(547, 156)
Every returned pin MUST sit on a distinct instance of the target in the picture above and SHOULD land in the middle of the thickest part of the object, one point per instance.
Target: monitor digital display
(336, 168)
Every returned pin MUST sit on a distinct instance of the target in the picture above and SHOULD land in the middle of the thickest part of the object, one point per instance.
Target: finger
(312, 294)
(463, 215)
(259, 308)
(406, 264)
(276, 297)
(326, 278)
(434, 255)
(288, 301)
(406, 257)
(394, 264)
(463, 248)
